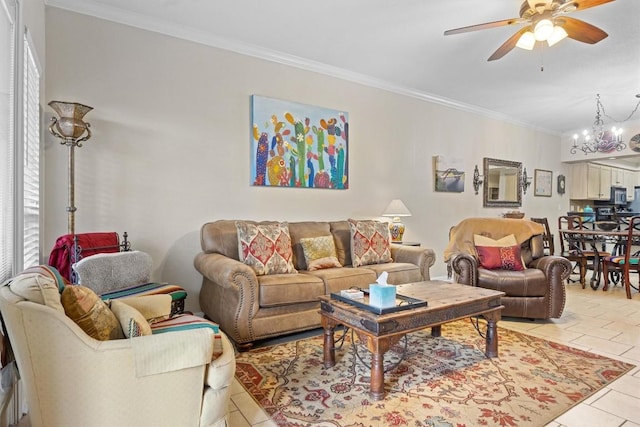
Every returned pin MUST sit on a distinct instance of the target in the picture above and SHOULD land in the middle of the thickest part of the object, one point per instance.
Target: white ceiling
(399, 45)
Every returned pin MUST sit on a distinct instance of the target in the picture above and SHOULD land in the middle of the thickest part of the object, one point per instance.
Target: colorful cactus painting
(308, 148)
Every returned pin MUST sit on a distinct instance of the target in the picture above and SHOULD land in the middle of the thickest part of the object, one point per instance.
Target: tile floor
(605, 323)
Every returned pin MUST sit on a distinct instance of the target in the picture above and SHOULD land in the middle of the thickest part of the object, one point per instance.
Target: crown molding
(148, 23)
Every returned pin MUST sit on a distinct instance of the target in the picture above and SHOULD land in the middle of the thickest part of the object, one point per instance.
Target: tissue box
(382, 296)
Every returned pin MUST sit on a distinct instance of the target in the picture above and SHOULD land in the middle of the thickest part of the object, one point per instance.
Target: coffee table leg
(377, 376)
(436, 331)
(328, 347)
(492, 334)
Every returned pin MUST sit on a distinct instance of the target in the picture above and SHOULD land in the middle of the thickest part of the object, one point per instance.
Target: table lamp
(396, 209)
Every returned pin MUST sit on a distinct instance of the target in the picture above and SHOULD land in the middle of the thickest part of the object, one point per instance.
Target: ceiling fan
(546, 21)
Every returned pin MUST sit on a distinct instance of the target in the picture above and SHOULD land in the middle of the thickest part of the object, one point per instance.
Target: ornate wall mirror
(502, 183)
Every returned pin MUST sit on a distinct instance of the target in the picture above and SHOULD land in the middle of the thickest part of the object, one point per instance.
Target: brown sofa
(538, 292)
(249, 307)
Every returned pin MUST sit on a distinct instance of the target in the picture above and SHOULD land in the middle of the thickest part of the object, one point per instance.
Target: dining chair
(547, 237)
(626, 261)
(574, 251)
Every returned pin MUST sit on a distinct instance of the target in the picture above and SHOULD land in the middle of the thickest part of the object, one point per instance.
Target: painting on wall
(298, 145)
(449, 176)
(542, 183)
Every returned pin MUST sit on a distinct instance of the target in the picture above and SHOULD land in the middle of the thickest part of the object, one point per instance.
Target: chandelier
(600, 140)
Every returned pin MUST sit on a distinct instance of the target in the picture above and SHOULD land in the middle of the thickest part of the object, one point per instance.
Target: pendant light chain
(611, 118)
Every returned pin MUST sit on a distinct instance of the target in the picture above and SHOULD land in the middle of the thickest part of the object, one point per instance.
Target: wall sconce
(477, 179)
(525, 182)
(70, 128)
(396, 209)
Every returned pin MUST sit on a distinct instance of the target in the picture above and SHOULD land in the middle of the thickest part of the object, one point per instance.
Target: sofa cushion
(399, 272)
(369, 242)
(303, 230)
(132, 322)
(266, 248)
(526, 283)
(282, 289)
(106, 272)
(38, 288)
(501, 254)
(153, 308)
(337, 279)
(88, 311)
(341, 231)
(319, 252)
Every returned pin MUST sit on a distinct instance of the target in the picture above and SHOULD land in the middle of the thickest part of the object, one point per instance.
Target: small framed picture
(542, 182)
(561, 184)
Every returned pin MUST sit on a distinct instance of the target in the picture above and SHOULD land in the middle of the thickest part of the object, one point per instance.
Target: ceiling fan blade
(581, 31)
(584, 4)
(508, 45)
(484, 26)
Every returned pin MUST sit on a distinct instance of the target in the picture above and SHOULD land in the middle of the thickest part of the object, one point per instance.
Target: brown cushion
(283, 289)
(302, 230)
(88, 311)
(526, 283)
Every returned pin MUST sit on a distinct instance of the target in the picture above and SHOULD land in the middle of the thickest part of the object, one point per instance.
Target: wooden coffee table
(379, 332)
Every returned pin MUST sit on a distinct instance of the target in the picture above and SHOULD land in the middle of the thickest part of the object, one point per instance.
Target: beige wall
(170, 149)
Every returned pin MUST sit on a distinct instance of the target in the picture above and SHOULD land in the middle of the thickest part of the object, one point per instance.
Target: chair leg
(627, 281)
(605, 273)
(583, 272)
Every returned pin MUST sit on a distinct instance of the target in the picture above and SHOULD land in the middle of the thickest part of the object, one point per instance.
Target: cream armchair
(72, 379)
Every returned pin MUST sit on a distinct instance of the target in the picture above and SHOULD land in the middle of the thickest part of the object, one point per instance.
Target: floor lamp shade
(396, 209)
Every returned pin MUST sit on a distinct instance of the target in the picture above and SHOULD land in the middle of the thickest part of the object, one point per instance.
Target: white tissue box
(352, 293)
(382, 296)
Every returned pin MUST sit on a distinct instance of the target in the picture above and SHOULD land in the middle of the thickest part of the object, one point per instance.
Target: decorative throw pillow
(369, 242)
(319, 252)
(132, 322)
(265, 247)
(38, 288)
(503, 254)
(153, 308)
(88, 311)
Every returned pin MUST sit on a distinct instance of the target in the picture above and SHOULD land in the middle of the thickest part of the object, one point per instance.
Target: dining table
(598, 240)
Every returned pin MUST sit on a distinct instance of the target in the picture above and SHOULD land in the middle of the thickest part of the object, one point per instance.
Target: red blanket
(89, 244)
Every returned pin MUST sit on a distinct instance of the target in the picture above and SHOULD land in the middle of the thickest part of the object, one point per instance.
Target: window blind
(7, 136)
(31, 158)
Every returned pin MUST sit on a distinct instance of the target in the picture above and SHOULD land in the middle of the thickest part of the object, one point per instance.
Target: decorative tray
(402, 303)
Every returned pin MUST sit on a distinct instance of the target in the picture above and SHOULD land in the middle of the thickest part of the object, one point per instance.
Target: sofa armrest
(557, 269)
(424, 258)
(229, 294)
(465, 268)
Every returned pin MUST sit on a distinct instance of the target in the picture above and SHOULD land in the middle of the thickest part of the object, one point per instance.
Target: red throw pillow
(500, 257)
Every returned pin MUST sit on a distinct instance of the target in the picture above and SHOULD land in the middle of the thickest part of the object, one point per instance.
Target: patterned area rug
(444, 381)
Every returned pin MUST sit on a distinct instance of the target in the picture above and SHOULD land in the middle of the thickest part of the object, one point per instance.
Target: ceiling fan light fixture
(543, 29)
(557, 35)
(526, 41)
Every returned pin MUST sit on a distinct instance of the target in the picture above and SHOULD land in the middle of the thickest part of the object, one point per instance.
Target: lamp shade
(69, 123)
(396, 208)
(558, 34)
(526, 41)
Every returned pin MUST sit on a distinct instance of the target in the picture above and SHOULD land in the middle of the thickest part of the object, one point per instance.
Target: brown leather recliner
(538, 292)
